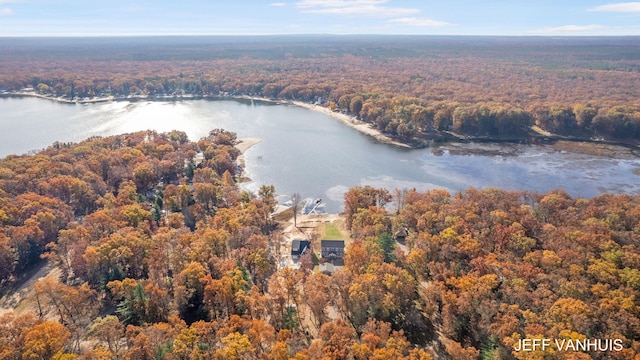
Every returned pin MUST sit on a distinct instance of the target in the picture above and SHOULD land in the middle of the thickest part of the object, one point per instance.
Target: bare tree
(295, 200)
(399, 195)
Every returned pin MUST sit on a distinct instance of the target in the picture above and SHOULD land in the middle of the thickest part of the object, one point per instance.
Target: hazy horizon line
(311, 34)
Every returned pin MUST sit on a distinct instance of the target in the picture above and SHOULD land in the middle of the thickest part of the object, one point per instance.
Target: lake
(314, 154)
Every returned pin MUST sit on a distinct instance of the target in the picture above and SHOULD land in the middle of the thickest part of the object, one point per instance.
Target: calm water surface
(313, 154)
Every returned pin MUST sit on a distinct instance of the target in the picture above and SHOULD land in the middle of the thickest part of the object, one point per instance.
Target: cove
(314, 154)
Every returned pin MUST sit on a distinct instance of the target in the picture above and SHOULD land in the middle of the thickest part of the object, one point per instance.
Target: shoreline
(353, 123)
(350, 121)
(59, 99)
(243, 145)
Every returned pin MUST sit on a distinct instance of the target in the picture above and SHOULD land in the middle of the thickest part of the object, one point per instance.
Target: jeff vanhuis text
(588, 345)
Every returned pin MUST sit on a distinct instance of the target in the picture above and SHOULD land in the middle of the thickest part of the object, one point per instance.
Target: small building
(298, 248)
(332, 249)
(327, 268)
(401, 235)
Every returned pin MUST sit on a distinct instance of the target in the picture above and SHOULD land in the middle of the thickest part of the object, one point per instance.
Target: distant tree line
(408, 91)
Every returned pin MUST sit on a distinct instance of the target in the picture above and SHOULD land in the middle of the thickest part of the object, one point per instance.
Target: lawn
(331, 231)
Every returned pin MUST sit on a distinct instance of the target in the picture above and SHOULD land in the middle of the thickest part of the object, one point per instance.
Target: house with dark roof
(298, 248)
(401, 235)
(332, 252)
(332, 249)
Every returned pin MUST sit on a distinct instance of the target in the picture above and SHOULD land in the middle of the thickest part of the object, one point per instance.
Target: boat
(313, 206)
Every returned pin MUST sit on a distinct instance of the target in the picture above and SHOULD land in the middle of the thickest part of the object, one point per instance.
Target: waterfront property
(299, 248)
(332, 250)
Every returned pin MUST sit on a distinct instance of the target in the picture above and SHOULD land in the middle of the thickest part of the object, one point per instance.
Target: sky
(254, 17)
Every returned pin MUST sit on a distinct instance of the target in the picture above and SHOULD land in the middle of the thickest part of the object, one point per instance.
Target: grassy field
(331, 231)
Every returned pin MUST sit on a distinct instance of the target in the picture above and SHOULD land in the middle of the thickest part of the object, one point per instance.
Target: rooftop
(297, 245)
(332, 243)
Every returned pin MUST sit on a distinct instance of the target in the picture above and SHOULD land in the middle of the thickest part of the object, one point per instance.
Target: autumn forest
(413, 88)
(154, 251)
